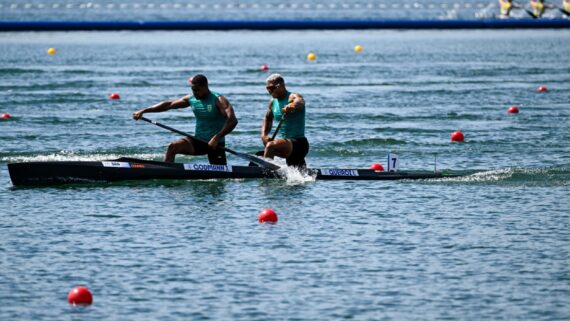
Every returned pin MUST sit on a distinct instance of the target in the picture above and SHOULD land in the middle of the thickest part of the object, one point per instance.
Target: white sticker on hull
(339, 172)
(116, 164)
(208, 167)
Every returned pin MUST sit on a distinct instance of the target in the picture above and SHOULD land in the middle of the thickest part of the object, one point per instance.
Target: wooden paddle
(251, 158)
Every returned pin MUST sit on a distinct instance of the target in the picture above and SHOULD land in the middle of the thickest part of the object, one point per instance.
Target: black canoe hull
(124, 169)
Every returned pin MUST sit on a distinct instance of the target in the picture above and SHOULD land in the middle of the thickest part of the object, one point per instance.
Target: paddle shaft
(251, 158)
(278, 126)
(530, 13)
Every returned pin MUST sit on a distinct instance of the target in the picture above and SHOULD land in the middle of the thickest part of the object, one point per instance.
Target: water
(491, 246)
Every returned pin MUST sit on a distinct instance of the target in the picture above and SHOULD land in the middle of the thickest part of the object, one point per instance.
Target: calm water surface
(490, 246)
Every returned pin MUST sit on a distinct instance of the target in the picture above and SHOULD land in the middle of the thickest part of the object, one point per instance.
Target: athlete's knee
(270, 147)
(179, 147)
(172, 147)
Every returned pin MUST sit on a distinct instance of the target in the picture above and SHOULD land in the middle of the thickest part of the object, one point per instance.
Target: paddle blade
(258, 161)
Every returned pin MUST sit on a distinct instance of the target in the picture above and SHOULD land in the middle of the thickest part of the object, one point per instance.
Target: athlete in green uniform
(215, 118)
(293, 145)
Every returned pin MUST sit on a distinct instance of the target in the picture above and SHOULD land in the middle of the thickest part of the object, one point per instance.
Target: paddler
(506, 6)
(215, 118)
(566, 7)
(538, 7)
(289, 109)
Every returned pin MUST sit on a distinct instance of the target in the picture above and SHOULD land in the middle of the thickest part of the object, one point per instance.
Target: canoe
(124, 169)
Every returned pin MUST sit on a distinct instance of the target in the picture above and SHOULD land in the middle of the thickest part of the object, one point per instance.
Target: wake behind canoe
(123, 169)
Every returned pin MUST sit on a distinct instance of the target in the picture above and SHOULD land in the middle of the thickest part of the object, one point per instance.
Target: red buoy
(5, 116)
(264, 67)
(79, 296)
(377, 167)
(114, 96)
(542, 89)
(457, 136)
(267, 216)
(513, 110)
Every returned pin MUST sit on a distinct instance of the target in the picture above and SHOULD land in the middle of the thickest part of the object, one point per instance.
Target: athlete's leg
(217, 156)
(180, 146)
(300, 150)
(281, 147)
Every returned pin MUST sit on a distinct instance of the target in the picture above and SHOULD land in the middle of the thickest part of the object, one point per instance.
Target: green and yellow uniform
(209, 119)
(294, 124)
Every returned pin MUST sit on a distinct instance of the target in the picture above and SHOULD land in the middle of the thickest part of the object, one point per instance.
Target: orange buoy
(267, 216)
(79, 296)
(377, 167)
(114, 96)
(457, 136)
(513, 110)
(311, 56)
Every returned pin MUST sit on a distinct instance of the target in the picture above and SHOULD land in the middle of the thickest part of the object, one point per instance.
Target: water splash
(488, 176)
(294, 176)
(536, 177)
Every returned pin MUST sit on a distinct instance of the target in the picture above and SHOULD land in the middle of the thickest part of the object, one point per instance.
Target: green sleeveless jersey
(294, 124)
(209, 119)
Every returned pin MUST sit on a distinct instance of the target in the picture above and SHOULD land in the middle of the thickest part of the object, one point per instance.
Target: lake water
(491, 246)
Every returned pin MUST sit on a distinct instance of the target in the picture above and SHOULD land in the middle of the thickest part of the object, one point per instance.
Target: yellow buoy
(51, 51)
(358, 48)
(311, 56)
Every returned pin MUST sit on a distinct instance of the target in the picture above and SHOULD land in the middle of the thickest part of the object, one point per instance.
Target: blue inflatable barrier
(282, 24)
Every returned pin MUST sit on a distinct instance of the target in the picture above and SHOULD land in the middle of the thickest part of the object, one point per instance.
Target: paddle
(278, 126)
(247, 157)
(564, 12)
(261, 152)
(274, 133)
(530, 13)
